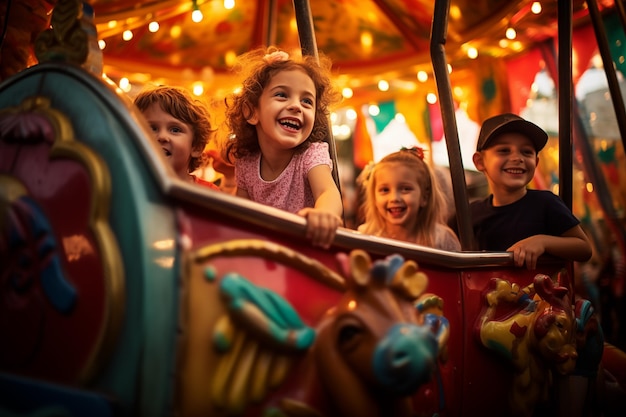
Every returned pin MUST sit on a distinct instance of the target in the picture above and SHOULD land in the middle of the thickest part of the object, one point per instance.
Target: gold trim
(275, 252)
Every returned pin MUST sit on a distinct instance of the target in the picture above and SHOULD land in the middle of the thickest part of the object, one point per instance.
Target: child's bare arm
(323, 219)
(242, 193)
(325, 190)
(572, 245)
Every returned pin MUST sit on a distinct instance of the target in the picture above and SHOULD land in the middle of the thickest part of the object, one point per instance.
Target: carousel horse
(540, 333)
(375, 340)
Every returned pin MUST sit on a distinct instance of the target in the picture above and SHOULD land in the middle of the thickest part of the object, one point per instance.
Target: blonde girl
(403, 201)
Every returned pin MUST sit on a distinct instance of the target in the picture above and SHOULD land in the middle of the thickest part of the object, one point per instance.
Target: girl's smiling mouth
(292, 124)
(396, 211)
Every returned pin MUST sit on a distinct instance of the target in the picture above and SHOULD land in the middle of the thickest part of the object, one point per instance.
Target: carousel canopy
(196, 41)
(165, 40)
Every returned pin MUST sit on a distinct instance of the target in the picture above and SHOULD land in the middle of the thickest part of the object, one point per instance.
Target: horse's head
(554, 329)
(373, 340)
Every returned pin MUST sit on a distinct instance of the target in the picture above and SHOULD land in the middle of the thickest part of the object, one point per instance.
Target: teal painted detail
(210, 273)
(500, 349)
(405, 358)
(221, 342)
(277, 309)
(589, 353)
(278, 319)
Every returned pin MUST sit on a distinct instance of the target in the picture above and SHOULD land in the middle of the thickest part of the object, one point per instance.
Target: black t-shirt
(538, 212)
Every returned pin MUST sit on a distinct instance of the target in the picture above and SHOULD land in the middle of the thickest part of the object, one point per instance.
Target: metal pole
(270, 36)
(565, 10)
(440, 70)
(306, 32)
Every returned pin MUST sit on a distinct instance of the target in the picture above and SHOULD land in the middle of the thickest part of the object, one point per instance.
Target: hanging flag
(363, 152)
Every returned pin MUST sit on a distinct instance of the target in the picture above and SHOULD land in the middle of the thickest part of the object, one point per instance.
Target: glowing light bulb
(198, 89)
(197, 16)
(124, 84)
(536, 7)
(367, 40)
(511, 34)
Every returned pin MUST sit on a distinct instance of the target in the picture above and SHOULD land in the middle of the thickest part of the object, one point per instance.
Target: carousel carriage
(128, 292)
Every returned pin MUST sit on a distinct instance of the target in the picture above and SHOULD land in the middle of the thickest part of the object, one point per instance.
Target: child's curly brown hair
(258, 71)
(179, 102)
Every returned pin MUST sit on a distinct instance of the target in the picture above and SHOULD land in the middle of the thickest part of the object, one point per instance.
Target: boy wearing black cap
(513, 218)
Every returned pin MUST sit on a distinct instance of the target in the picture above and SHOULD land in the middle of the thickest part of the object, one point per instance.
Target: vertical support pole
(565, 11)
(306, 30)
(306, 33)
(564, 73)
(440, 70)
(270, 35)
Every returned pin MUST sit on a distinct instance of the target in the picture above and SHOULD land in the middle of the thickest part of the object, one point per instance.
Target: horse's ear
(360, 264)
(553, 294)
(343, 260)
(410, 280)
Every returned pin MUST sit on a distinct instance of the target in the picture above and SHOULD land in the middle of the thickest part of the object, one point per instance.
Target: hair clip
(276, 56)
(365, 174)
(418, 151)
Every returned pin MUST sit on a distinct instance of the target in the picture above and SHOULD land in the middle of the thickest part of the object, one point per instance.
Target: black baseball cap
(506, 123)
